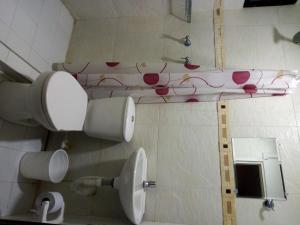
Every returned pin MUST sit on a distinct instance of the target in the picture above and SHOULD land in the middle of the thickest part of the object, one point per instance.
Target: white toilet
(58, 102)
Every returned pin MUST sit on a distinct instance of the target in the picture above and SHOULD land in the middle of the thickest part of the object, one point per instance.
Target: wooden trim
(218, 18)
(226, 166)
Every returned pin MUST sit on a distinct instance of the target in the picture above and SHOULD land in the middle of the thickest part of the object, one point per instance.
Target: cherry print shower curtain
(162, 83)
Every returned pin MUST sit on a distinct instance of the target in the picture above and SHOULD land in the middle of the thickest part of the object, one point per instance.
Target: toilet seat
(59, 88)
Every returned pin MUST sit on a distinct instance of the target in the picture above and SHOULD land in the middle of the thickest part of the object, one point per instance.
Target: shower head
(296, 38)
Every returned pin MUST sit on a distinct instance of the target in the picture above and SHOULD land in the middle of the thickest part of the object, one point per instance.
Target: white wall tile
(43, 43)
(251, 16)
(202, 5)
(112, 204)
(20, 66)
(36, 60)
(233, 4)
(24, 26)
(239, 42)
(66, 21)
(277, 111)
(285, 211)
(289, 14)
(204, 113)
(182, 206)
(10, 160)
(4, 29)
(7, 10)
(5, 188)
(21, 199)
(180, 151)
(203, 47)
(34, 139)
(12, 136)
(38, 30)
(32, 8)
(139, 47)
(20, 46)
(3, 52)
(147, 114)
(290, 50)
(268, 53)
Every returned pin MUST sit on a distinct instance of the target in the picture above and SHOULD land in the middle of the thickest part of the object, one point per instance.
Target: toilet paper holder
(44, 213)
(53, 205)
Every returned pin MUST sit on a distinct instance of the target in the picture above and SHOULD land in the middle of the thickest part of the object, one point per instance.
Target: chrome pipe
(188, 10)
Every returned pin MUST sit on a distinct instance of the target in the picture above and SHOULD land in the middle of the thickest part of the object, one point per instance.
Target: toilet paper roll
(55, 199)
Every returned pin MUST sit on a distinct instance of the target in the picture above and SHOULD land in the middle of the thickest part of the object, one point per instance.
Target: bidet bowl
(130, 186)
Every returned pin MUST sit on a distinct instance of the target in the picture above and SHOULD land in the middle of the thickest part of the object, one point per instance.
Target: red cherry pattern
(240, 77)
(151, 78)
(112, 64)
(161, 90)
(192, 100)
(250, 88)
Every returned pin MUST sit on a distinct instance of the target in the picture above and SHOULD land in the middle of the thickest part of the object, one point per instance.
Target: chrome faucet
(187, 60)
(149, 184)
(268, 204)
(187, 42)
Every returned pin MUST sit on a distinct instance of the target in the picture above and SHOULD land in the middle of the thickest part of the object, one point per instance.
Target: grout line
(226, 166)
(156, 192)
(295, 116)
(218, 23)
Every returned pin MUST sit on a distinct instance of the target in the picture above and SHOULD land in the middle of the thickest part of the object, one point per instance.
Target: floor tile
(21, 198)
(5, 189)
(186, 206)
(188, 156)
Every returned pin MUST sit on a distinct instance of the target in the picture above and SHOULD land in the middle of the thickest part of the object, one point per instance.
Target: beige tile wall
(182, 153)
(38, 30)
(140, 39)
(261, 37)
(271, 118)
(254, 38)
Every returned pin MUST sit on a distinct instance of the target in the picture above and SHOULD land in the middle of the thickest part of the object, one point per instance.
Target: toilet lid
(65, 101)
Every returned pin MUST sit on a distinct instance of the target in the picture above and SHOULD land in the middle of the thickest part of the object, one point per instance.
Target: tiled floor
(39, 31)
(182, 154)
(17, 193)
(181, 145)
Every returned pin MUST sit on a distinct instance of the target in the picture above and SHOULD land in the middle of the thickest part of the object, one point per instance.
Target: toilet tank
(110, 118)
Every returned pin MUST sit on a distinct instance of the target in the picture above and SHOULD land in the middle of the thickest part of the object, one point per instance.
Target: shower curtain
(167, 83)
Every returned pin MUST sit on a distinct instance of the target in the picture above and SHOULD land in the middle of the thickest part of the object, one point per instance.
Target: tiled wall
(17, 193)
(140, 39)
(118, 8)
(261, 37)
(182, 151)
(251, 40)
(271, 118)
(38, 30)
(181, 145)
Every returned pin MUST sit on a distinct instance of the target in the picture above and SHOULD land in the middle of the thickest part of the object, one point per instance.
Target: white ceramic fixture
(50, 208)
(51, 166)
(131, 185)
(58, 102)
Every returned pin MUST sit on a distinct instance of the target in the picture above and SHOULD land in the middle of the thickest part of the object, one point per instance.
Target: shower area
(140, 31)
(168, 51)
